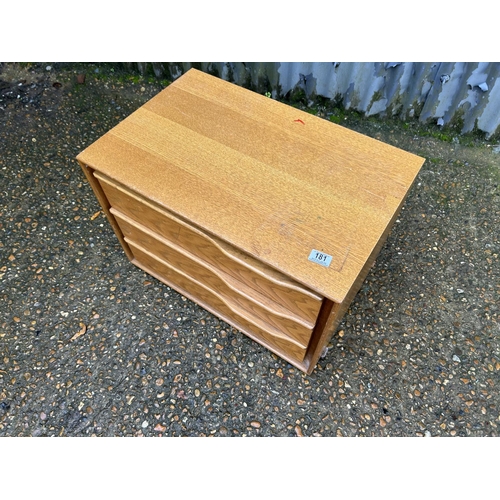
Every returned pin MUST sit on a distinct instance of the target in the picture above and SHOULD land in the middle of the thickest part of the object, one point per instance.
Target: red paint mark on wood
(299, 120)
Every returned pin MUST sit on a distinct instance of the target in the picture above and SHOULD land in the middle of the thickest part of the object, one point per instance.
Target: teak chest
(263, 214)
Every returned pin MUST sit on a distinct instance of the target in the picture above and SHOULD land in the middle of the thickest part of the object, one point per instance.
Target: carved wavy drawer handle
(237, 310)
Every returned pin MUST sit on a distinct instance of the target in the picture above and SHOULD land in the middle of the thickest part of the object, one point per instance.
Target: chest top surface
(273, 181)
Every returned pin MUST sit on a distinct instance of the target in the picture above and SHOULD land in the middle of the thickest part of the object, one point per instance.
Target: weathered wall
(463, 94)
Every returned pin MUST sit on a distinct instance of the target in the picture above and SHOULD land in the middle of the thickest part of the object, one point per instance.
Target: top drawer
(272, 287)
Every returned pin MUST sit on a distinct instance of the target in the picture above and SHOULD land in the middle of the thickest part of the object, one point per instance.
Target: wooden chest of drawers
(266, 216)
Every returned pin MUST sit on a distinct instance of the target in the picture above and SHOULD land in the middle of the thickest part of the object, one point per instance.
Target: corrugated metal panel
(447, 93)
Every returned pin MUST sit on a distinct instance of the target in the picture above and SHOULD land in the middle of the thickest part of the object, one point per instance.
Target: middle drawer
(217, 280)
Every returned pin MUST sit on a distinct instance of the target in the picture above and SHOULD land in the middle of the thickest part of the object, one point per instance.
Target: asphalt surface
(92, 346)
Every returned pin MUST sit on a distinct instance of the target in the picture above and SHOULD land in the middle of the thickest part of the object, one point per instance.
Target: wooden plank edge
(103, 201)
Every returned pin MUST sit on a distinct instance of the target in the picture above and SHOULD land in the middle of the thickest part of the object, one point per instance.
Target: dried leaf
(83, 329)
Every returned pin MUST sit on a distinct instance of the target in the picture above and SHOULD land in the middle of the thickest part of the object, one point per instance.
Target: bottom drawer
(255, 328)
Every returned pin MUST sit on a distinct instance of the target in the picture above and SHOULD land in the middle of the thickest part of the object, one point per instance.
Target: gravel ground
(92, 346)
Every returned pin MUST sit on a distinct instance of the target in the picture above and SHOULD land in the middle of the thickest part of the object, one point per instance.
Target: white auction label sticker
(320, 258)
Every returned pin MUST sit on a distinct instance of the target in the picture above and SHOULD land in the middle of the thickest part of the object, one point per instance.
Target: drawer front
(212, 278)
(279, 291)
(212, 301)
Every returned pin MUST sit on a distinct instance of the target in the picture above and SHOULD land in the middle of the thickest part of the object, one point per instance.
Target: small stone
(11, 257)
(456, 358)
(383, 423)
(197, 393)
(48, 68)
(43, 415)
(145, 424)
(255, 424)
(159, 382)
(279, 373)
(298, 431)
(427, 434)
(159, 428)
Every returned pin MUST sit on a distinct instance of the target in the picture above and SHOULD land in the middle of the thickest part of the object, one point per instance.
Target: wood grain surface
(272, 181)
